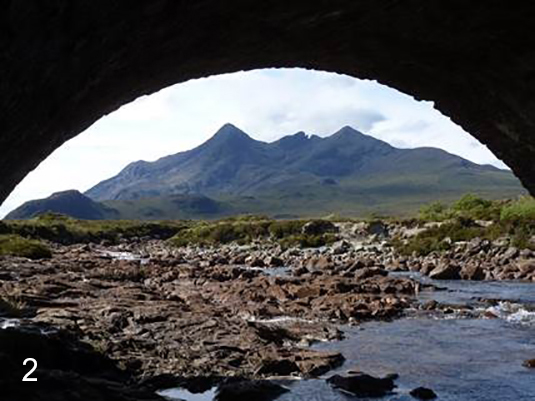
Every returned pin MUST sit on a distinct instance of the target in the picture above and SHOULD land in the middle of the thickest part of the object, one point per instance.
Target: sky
(266, 104)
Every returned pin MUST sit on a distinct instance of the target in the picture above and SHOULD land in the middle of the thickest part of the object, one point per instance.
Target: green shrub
(474, 207)
(66, 230)
(222, 232)
(4, 228)
(435, 239)
(469, 206)
(522, 210)
(247, 217)
(307, 241)
(16, 245)
(282, 229)
(435, 211)
(287, 233)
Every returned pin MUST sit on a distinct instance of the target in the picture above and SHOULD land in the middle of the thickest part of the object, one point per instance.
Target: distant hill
(71, 203)
(348, 173)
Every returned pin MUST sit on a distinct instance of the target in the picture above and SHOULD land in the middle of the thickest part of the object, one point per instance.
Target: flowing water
(476, 359)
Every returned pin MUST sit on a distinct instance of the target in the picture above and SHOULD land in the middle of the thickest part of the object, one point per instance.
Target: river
(461, 358)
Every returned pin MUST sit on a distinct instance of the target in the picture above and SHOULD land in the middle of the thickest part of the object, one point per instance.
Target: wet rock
(423, 393)
(368, 272)
(526, 266)
(299, 271)
(510, 254)
(363, 385)
(425, 268)
(446, 270)
(277, 367)
(255, 261)
(248, 390)
(489, 315)
(318, 363)
(430, 305)
(67, 369)
(307, 291)
(183, 313)
(529, 363)
(472, 272)
(320, 263)
(377, 228)
(273, 261)
(341, 247)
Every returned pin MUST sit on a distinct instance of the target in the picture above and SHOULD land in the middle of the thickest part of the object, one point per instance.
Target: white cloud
(267, 104)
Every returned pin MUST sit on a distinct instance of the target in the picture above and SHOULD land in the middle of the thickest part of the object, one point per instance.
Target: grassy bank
(462, 220)
(473, 217)
(15, 245)
(66, 230)
(244, 230)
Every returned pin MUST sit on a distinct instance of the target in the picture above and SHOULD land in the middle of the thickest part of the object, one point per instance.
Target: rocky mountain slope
(232, 163)
(348, 173)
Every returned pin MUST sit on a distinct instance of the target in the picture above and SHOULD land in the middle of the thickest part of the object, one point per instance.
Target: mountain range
(348, 173)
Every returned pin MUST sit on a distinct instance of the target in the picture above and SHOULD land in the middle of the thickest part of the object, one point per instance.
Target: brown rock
(321, 263)
(363, 385)
(248, 390)
(446, 271)
(472, 272)
(423, 393)
(529, 363)
(318, 227)
(273, 261)
(368, 272)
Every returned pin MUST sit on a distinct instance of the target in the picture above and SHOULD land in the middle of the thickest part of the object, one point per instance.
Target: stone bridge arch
(64, 64)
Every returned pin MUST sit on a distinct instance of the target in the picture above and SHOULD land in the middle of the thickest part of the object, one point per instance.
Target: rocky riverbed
(163, 315)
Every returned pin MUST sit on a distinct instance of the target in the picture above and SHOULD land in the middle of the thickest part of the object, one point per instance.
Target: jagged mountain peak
(229, 130)
(229, 137)
(347, 130)
(232, 163)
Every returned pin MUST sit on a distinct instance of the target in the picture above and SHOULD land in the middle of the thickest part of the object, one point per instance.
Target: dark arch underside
(64, 64)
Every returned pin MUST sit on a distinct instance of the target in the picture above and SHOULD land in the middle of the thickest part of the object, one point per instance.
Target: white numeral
(27, 377)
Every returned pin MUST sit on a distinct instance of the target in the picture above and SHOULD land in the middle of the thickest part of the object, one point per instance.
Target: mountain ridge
(233, 162)
(347, 172)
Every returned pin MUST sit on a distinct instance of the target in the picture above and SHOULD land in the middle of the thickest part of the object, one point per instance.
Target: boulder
(254, 261)
(377, 228)
(529, 363)
(318, 227)
(472, 272)
(510, 254)
(446, 271)
(526, 266)
(368, 272)
(273, 261)
(320, 263)
(423, 393)
(247, 390)
(363, 385)
(340, 247)
(318, 363)
(277, 367)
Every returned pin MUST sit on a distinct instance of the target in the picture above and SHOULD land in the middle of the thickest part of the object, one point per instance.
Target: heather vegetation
(465, 219)
(244, 230)
(15, 245)
(473, 217)
(66, 230)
